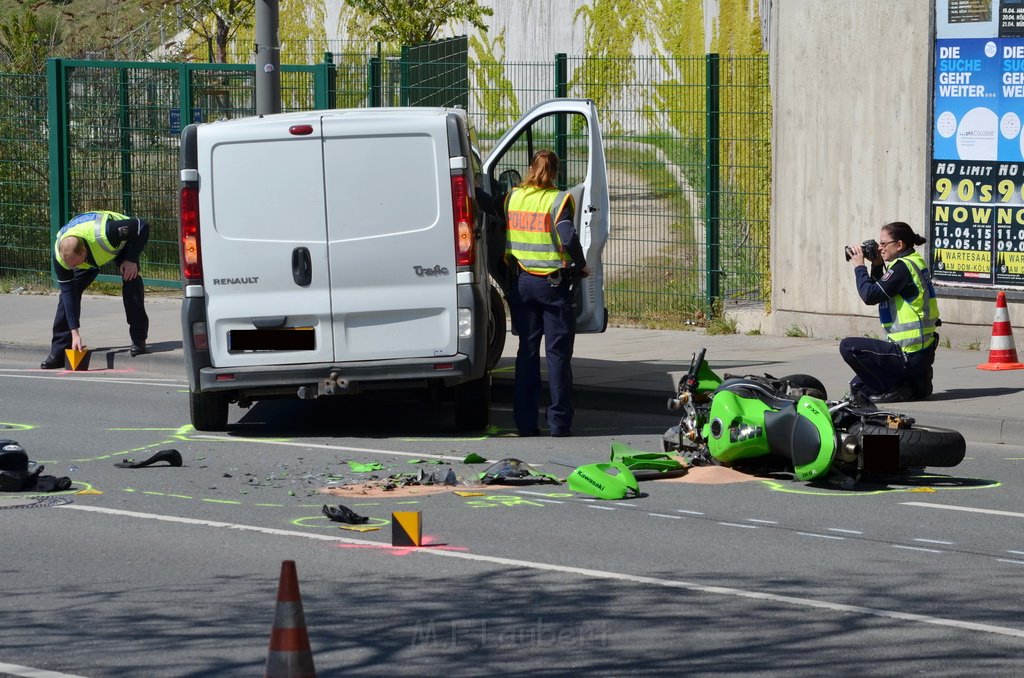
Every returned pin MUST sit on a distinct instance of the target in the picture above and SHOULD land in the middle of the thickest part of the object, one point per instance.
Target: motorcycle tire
(805, 384)
(921, 445)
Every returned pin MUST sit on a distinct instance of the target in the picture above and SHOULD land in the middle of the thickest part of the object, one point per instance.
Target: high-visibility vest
(911, 324)
(532, 239)
(92, 228)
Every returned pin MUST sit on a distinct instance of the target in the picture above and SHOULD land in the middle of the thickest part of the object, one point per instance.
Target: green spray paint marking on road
(937, 486)
(493, 500)
(17, 427)
(302, 522)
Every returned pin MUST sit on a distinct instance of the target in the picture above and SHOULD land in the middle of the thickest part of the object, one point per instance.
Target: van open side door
(570, 128)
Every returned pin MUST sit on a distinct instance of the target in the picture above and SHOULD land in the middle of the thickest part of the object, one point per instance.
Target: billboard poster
(977, 170)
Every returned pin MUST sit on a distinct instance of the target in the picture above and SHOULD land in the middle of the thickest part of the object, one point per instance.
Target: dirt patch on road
(710, 475)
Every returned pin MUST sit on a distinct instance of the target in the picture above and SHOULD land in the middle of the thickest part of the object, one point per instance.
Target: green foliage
(414, 22)
(721, 325)
(494, 93)
(755, 332)
(611, 27)
(27, 39)
(213, 23)
(797, 331)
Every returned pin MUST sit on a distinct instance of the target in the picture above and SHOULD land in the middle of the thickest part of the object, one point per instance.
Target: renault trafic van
(333, 252)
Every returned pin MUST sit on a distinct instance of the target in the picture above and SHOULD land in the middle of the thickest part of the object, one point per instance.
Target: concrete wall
(851, 94)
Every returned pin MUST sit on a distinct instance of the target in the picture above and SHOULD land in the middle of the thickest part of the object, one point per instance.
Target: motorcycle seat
(746, 387)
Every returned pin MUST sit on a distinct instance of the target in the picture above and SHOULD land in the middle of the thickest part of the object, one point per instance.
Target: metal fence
(687, 143)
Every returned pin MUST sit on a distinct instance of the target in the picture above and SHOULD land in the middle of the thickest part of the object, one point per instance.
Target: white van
(333, 252)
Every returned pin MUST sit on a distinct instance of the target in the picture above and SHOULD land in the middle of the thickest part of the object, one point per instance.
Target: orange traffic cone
(289, 655)
(1003, 354)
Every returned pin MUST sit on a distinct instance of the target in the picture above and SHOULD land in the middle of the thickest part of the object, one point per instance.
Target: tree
(213, 21)
(27, 40)
(413, 22)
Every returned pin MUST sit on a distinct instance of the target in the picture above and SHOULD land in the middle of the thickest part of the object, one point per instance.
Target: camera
(870, 248)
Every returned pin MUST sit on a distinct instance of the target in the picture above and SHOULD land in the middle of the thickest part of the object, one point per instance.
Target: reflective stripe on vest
(92, 228)
(914, 324)
(532, 238)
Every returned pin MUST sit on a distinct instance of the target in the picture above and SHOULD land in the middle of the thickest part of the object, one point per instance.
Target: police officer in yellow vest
(900, 284)
(83, 245)
(543, 253)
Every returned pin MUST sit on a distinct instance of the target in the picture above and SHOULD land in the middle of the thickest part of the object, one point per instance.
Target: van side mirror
(508, 180)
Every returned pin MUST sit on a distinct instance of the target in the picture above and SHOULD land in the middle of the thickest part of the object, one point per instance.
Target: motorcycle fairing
(803, 433)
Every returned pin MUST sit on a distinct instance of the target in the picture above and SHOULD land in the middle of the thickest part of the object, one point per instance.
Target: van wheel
(495, 329)
(209, 411)
(473, 404)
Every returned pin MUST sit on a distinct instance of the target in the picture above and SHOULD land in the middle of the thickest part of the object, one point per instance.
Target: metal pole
(268, 58)
(561, 126)
(712, 194)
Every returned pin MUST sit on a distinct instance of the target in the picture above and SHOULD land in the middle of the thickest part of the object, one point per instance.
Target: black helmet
(13, 466)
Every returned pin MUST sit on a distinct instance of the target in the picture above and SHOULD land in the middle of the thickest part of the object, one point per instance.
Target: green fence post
(185, 94)
(125, 135)
(324, 83)
(57, 118)
(373, 82)
(561, 131)
(712, 194)
(403, 86)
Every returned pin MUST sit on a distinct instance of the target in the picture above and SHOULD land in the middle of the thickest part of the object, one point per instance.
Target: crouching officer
(83, 245)
(900, 284)
(542, 246)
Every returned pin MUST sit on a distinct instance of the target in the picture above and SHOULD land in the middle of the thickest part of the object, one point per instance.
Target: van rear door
(390, 233)
(264, 232)
(570, 128)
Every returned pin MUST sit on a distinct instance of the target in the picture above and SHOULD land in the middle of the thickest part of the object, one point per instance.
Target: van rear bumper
(326, 379)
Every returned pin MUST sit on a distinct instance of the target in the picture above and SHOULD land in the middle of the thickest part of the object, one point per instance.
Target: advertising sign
(977, 171)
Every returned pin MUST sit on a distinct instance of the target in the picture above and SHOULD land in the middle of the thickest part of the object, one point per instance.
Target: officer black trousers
(882, 366)
(133, 296)
(537, 309)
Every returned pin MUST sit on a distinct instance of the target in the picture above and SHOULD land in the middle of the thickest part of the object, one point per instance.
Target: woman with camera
(900, 285)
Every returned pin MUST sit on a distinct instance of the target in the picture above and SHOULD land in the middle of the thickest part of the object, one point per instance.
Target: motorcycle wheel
(805, 384)
(921, 445)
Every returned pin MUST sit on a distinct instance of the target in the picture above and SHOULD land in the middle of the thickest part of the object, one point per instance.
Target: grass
(756, 332)
(797, 331)
(722, 325)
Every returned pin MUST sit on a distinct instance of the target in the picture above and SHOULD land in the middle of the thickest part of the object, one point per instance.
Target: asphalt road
(174, 571)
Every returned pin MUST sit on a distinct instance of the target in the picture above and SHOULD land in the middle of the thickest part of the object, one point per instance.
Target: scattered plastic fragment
(358, 467)
(604, 481)
(474, 458)
(515, 472)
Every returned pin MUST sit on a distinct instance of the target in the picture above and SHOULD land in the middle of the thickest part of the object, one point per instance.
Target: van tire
(473, 404)
(496, 330)
(209, 411)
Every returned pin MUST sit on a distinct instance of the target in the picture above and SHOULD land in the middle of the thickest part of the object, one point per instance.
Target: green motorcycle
(733, 420)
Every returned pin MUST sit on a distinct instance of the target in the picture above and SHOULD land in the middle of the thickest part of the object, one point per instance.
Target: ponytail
(900, 230)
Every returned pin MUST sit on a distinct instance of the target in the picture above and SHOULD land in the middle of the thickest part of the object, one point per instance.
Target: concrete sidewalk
(623, 369)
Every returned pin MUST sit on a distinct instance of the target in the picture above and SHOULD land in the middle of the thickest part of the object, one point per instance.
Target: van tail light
(462, 212)
(200, 339)
(191, 255)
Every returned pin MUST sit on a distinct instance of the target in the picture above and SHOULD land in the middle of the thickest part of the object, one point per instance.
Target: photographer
(900, 285)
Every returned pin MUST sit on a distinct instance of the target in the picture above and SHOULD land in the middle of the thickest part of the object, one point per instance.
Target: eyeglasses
(883, 243)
